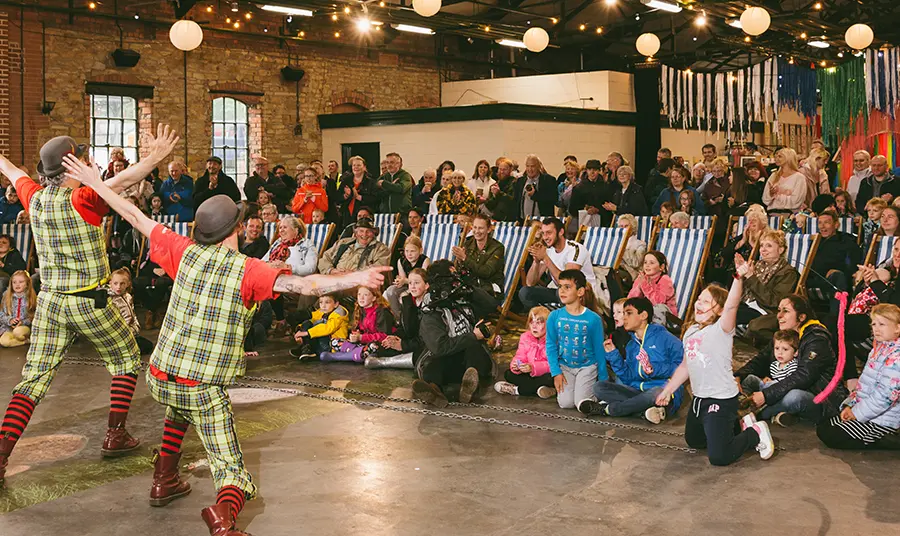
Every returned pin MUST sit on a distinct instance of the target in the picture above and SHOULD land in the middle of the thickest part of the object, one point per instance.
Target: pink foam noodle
(842, 350)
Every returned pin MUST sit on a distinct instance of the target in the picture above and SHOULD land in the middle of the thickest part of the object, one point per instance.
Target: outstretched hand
(372, 277)
(163, 144)
(86, 174)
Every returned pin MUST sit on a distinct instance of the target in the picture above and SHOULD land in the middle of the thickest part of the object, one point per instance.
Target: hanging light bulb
(347, 10)
(92, 5)
(817, 6)
(803, 35)
(840, 54)
(701, 19)
(582, 27)
(791, 61)
(487, 28)
(227, 20)
(302, 33)
(746, 38)
(337, 34)
(334, 17)
(823, 63)
(554, 20)
(599, 30)
(380, 4)
(234, 7)
(248, 15)
(209, 9)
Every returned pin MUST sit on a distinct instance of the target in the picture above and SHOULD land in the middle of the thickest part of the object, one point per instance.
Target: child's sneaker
(506, 388)
(592, 407)
(747, 421)
(766, 445)
(655, 414)
(546, 392)
(784, 419)
(303, 353)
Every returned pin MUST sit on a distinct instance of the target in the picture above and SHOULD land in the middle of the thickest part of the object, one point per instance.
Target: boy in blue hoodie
(651, 357)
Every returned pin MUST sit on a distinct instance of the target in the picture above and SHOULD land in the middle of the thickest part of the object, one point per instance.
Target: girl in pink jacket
(529, 372)
(655, 284)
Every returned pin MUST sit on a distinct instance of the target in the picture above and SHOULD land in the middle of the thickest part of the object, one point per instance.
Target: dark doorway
(370, 152)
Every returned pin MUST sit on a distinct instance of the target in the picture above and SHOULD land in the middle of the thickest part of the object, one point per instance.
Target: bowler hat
(216, 218)
(53, 152)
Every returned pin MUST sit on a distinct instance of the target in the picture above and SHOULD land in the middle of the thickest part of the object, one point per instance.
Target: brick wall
(229, 64)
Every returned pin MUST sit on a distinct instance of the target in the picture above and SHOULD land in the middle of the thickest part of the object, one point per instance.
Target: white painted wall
(554, 141)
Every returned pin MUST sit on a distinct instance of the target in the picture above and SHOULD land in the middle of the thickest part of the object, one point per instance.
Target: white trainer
(766, 446)
(655, 414)
(506, 388)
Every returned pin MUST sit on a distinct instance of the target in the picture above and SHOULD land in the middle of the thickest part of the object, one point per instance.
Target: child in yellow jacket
(330, 321)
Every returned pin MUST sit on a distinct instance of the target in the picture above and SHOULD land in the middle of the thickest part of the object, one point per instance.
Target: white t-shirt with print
(707, 353)
(572, 253)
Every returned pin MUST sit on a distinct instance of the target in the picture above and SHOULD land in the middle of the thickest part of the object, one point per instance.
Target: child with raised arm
(708, 344)
(575, 341)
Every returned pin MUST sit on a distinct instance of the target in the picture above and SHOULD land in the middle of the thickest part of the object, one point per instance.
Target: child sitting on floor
(413, 257)
(330, 321)
(372, 323)
(785, 344)
(17, 311)
(120, 295)
(529, 372)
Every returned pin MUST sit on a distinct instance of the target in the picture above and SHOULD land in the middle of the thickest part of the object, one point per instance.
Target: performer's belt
(99, 295)
(166, 377)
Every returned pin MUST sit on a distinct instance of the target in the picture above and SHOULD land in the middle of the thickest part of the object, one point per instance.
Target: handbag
(863, 302)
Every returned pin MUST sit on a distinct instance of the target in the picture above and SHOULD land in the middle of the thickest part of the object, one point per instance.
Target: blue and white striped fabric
(645, 225)
(318, 234)
(183, 228)
(165, 220)
(774, 223)
(270, 229)
(500, 224)
(439, 238)
(283, 216)
(604, 244)
(440, 218)
(383, 220)
(846, 224)
(683, 249)
(387, 227)
(885, 248)
(22, 237)
(799, 247)
(701, 222)
(514, 239)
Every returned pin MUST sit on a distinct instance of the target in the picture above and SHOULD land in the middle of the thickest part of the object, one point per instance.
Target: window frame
(132, 152)
(231, 155)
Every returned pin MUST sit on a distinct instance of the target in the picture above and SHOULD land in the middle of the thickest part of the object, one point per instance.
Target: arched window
(230, 137)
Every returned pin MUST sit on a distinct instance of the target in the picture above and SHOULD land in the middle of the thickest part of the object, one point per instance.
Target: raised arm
(318, 285)
(728, 320)
(160, 147)
(10, 170)
(89, 176)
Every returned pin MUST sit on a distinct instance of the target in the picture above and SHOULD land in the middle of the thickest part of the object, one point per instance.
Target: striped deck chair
(516, 240)
(687, 251)
(165, 220)
(439, 238)
(851, 225)
(736, 224)
(383, 219)
(880, 250)
(606, 245)
(703, 222)
(801, 249)
(646, 225)
(23, 240)
(184, 228)
(388, 229)
(270, 229)
(440, 218)
(320, 234)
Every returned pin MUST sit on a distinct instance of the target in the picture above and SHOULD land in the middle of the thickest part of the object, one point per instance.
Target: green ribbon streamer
(843, 93)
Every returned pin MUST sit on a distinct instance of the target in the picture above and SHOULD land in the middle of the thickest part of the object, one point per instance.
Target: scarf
(808, 324)
(763, 272)
(282, 250)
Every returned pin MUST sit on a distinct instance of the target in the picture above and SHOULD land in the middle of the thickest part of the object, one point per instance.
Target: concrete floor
(328, 468)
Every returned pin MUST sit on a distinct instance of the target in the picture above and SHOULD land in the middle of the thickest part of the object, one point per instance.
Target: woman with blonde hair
(766, 280)
(456, 198)
(786, 189)
(633, 259)
(744, 244)
(816, 177)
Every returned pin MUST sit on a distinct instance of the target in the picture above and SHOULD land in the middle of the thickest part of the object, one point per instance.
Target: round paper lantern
(536, 39)
(186, 35)
(647, 44)
(427, 8)
(859, 36)
(755, 20)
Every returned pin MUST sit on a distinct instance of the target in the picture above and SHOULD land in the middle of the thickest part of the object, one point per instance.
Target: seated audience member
(843, 204)
(9, 206)
(665, 212)
(722, 267)
(815, 368)
(214, 182)
(456, 361)
(254, 242)
(536, 190)
(836, 258)
(553, 255)
(481, 181)
(861, 171)
(424, 191)
(679, 220)
(395, 186)
(686, 204)
(318, 217)
(698, 174)
(23, 218)
(117, 160)
(178, 192)
(633, 259)
(330, 322)
(413, 257)
(881, 183)
(413, 226)
(889, 223)
(717, 192)
(592, 193)
(17, 307)
(481, 258)
(365, 213)
(156, 206)
(259, 328)
(655, 284)
(784, 348)
(372, 322)
(501, 201)
(120, 296)
(627, 195)
(766, 282)
(678, 183)
(358, 252)
(823, 202)
(292, 249)
(652, 355)
(268, 213)
(529, 371)
(11, 260)
(747, 190)
(870, 416)
(785, 191)
(402, 350)
(310, 196)
(456, 198)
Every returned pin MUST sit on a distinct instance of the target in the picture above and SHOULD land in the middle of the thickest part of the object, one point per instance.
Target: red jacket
(304, 208)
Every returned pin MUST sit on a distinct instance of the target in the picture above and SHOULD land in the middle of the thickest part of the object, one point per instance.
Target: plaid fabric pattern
(72, 252)
(202, 336)
(57, 320)
(208, 409)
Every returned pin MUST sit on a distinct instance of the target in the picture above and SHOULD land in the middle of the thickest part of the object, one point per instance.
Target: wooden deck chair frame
(464, 229)
(695, 291)
(872, 254)
(329, 231)
(582, 231)
(712, 224)
(517, 276)
(29, 255)
(733, 220)
(654, 226)
(807, 265)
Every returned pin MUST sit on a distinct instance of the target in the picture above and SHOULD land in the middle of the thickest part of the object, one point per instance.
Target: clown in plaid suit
(66, 223)
(200, 347)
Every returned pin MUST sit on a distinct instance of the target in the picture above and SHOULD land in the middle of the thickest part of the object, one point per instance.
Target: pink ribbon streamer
(842, 350)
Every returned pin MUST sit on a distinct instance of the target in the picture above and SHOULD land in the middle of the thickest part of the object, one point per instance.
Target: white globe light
(186, 35)
(536, 39)
(647, 44)
(755, 20)
(427, 8)
(859, 36)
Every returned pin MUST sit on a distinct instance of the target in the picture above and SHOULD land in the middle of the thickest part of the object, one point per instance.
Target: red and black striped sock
(18, 413)
(173, 435)
(121, 392)
(234, 496)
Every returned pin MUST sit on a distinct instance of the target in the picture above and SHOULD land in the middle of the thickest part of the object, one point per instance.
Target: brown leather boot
(6, 446)
(118, 441)
(220, 520)
(167, 484)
